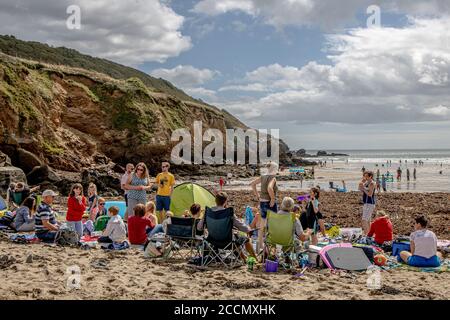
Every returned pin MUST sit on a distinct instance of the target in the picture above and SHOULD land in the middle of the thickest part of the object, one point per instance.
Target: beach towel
(444, 267)
(117, 246)
(24, 238)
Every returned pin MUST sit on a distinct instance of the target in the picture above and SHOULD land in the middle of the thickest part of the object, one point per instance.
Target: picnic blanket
(445, 267)
(24, 238)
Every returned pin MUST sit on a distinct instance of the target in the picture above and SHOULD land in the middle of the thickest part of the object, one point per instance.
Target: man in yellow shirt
(165, 181)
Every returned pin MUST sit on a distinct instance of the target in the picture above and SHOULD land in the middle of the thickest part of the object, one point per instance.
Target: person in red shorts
(138, 225)
(381, 227)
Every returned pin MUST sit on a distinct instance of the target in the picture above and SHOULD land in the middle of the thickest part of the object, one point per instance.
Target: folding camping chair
(280, 232)
(219, 247)
(183, 240)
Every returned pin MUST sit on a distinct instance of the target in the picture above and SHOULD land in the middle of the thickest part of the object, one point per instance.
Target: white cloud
(190, 79)
(326, 13)
(129, 32)
(438, 111)
(378, 75)
(185, 76)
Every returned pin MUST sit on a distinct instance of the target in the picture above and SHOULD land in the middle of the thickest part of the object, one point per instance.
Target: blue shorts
(162, 203)
(418, 261)
(264, 206)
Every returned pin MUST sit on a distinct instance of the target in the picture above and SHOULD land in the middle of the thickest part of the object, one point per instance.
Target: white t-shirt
(425, 243)
(124, 181)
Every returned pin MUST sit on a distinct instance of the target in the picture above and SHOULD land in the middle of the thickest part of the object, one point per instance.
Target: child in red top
(381, 227)
(137, 226)
(76, 206)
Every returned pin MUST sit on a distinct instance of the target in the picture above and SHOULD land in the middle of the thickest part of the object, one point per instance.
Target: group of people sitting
(144, 219)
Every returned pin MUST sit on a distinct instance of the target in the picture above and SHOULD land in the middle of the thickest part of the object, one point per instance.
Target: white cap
(49, 193)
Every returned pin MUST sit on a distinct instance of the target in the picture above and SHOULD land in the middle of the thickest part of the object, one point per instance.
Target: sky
(328, 74)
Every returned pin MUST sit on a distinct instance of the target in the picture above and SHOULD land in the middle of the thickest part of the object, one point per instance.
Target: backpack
(7, 218)
(67, 237)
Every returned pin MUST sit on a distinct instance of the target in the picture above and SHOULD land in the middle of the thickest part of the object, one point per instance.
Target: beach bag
(67, 237)
(7, 219)
(101, 223)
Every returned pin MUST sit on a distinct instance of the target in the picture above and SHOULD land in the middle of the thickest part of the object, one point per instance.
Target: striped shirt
(44, 212)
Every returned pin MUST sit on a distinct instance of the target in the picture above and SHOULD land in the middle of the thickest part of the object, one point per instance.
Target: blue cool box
(398, 247)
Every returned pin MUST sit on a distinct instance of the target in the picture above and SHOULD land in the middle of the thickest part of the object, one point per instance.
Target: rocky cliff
(71, 119)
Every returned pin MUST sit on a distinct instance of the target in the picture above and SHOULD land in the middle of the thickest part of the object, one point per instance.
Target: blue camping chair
(219, 246)
(184, 240)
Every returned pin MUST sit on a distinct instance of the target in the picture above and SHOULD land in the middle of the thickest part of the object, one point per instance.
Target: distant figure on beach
(267, 197)
(423, 246)
(383, 182)
(312, 172)
(407, 174)
(440, 172)
(229, 177)
(367, 186)
(301, 180)
(399, 174)
(363, 169)
(221, 183)
(378, 174)
(415, 174)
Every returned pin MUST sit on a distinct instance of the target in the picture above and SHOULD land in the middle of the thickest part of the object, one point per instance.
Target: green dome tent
(186, 194)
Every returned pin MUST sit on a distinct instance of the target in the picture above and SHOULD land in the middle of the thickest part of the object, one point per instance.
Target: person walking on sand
(165, 181)
(301, 180)
(415, 174)
(221, 183)
(383, 183)
(399, 174)
(367, 186)
(407, 174)
(267, 197)
(137, 186)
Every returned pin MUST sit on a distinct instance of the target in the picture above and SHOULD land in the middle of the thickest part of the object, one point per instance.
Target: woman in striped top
(137, 186)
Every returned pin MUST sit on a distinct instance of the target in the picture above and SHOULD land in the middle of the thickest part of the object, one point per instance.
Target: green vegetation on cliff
(68, 57)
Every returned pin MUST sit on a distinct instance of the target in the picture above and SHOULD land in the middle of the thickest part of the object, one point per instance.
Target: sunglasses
(139, 169)
(101, 204)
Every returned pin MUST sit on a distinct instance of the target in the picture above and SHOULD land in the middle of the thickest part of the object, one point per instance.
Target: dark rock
(5, 161)
(40, 174)
(10, 174)
(27, 160)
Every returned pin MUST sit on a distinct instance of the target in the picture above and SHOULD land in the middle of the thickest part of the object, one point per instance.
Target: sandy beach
(37, 271)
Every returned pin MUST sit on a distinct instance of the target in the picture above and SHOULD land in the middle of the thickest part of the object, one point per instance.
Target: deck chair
(183, 241)
(219, 248)
(280, 233)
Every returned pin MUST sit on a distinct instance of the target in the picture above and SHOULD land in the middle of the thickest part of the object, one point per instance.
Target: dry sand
(39, 271)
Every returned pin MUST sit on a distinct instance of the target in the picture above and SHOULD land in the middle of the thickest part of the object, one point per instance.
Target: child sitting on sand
(115, 229)
(138, 225)
(381, 227)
